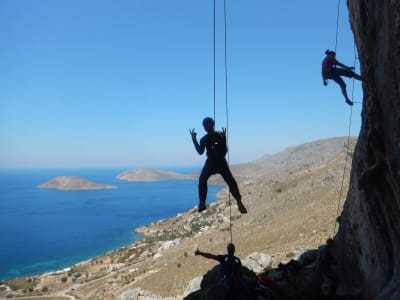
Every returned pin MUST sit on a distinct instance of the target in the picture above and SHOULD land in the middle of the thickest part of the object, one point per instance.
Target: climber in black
(231, 270)
(330, 70)
(215, 143)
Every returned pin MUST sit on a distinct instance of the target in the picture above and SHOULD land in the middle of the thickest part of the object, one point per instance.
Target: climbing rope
(346, 147)
(344, 172)
(214, 58)
(349, 128)
(227, 114)
(226, 95)
(337, 25)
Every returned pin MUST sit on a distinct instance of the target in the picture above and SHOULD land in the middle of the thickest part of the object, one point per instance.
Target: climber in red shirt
(330, 70)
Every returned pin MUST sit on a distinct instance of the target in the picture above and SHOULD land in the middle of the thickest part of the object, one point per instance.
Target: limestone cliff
(369, 233)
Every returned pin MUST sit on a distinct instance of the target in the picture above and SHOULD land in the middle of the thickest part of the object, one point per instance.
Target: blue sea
(43, 230)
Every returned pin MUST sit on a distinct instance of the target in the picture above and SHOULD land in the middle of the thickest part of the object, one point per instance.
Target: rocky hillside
(292, 160)
(288, 214)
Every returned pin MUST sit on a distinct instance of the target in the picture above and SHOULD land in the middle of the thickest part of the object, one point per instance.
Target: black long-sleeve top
(215, 143)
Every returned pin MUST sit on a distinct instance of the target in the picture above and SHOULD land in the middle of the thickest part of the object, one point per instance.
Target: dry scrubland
(291, 210)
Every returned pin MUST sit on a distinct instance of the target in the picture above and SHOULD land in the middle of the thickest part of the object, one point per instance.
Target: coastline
(286, 215)
(144, 232)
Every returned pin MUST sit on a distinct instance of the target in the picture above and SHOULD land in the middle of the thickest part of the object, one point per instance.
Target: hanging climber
(230, 272)
(215, 144)
(330, 70)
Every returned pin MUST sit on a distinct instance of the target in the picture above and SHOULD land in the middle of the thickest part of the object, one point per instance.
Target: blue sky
(87, 83)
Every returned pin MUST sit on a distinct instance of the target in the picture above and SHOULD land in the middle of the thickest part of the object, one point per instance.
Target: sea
(45, 230)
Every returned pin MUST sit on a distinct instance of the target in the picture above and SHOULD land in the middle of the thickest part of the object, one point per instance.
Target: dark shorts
(335, 74)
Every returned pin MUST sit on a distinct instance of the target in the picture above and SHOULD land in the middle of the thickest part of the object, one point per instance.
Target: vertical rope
(214, 54)
(355, 62)
(337, 25)
(348, 144)
(344, 170)
(226, 96)
(227, 113)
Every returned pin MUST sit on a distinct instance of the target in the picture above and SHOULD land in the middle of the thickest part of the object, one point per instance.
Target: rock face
(257, 262)
(73, 183)
(369, 233)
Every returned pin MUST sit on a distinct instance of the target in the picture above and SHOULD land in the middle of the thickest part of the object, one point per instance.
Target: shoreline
(143, 231)
(288, 214)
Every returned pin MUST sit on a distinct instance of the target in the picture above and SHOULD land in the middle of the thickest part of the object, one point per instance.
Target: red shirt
(327, 64)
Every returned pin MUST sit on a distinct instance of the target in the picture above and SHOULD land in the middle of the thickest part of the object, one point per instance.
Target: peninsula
(153, 175)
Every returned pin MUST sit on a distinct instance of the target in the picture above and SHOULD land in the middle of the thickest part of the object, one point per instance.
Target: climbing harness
(226, 93)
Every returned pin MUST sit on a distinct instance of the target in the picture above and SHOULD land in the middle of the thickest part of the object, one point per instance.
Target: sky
(101, 83)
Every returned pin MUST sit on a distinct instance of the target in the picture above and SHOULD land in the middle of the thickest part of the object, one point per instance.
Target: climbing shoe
(241, 207)
(349, 102)
(202, 206)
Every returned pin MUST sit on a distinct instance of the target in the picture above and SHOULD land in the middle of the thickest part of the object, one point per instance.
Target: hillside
(289, 212)
(292, 160)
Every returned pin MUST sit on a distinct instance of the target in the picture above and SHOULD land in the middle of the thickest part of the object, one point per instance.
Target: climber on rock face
(330, 70)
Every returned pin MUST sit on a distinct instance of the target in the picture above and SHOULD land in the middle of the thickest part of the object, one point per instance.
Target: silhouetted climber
(231, 270)
(215, 143)
(331, 71)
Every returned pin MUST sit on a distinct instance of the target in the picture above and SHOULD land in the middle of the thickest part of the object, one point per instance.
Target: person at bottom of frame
(231, 270)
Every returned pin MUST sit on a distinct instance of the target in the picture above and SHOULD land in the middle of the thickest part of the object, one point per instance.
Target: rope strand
(344, 171)
(337, 25)
(226, 96)
(214, 54)
(348, 144)
(227, 114)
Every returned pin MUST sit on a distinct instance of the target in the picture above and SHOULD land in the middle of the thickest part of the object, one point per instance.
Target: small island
(73, 183)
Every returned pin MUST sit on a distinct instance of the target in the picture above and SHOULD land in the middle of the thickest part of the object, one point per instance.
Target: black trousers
(217, 167)
(335, 74)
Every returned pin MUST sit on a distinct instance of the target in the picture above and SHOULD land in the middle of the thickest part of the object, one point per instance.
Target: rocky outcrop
(257, 262)
(291, 281)
(138, 294)
(369, 232)
(211, 287)
(73, 183)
